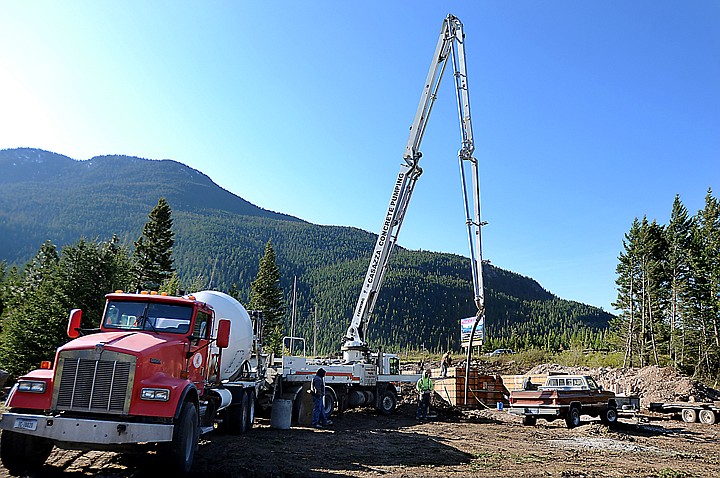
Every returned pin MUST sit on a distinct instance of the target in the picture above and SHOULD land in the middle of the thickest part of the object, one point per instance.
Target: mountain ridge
(96, 168)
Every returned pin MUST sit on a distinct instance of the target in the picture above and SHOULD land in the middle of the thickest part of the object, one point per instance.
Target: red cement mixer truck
(160, 372)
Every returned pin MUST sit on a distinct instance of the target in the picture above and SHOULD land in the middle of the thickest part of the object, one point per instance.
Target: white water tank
(241, 330)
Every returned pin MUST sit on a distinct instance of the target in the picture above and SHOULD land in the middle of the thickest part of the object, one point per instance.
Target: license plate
(26, 423)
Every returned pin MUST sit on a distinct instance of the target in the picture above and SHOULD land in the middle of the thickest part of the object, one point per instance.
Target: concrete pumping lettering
(386, 227)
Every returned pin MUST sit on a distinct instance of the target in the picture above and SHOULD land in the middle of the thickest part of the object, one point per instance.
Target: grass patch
(495, 460)
(670, 473)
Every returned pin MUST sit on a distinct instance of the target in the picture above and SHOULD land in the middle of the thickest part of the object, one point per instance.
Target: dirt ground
(475, 443)
(486, 443)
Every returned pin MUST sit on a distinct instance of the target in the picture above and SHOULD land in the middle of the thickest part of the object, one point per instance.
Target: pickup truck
(564, 396)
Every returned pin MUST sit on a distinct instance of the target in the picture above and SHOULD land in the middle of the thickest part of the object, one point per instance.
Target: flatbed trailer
(689, 412)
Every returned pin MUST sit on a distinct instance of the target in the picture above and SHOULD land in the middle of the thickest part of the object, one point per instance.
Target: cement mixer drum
(241, 330)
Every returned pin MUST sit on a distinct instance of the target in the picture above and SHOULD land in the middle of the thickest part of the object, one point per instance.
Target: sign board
(466, 326)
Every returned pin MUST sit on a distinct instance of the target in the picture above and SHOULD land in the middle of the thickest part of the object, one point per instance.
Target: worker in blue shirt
(317, 389)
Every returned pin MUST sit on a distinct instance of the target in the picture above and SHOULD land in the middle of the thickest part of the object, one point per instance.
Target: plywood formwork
(483, 390)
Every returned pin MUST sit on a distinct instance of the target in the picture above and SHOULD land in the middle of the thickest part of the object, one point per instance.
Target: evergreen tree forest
(668, 282)
(70, 235)
(37, 299)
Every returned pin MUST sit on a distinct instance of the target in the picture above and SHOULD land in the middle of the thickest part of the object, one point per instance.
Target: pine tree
(701, 300)
(33, 329)
(677, 237)
(267, 296)
(654, 292)
(41, 266)
(172, 285)
(627, 270)
(153, 250)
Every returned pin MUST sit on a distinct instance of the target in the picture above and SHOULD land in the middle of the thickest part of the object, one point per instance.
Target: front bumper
(82, 430)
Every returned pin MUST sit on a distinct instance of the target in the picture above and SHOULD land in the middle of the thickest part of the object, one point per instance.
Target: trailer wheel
(529, 420)
(689, 415)
(21, 453)
(181, 450)
(388, 402)
(609, 416)
(250, 409)
(707, 417)
(572, 419)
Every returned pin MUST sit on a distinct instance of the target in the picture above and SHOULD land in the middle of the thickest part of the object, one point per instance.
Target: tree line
(668, 282)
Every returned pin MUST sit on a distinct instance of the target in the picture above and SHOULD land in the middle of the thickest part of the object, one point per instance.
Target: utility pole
(315, 333)
(292, 315)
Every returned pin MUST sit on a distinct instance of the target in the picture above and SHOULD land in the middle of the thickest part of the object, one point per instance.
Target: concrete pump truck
(362, 377)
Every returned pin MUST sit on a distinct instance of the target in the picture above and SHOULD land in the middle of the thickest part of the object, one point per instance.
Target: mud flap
(304, 405)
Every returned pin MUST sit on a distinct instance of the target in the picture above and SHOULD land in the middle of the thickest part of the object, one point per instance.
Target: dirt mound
(651, 384)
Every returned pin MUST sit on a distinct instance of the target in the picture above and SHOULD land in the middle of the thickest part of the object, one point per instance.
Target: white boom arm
(450, 44)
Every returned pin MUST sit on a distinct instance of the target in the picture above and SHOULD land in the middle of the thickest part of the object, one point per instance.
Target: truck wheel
(689, 415)
(250, 409)
(572, 419)
(388, 402)
(329, 401)
(243, 412)
(21, 453)
(707, 417)
(528, 420)
(185, 439)
(609, 416)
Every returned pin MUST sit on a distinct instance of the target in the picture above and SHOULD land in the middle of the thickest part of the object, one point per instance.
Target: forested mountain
(220, 237)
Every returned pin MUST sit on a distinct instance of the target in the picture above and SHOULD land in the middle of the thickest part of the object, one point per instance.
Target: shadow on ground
(358, 442)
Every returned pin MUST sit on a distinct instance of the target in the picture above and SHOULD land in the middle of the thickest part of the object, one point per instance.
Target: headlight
(159, 394)
(31, 386)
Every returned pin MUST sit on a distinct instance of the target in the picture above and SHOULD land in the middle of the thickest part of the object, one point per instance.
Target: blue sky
(586, 114)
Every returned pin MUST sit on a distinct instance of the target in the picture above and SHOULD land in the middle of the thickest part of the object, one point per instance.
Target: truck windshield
(151, 316)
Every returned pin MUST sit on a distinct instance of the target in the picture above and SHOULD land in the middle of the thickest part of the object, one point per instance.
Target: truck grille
(84, 382)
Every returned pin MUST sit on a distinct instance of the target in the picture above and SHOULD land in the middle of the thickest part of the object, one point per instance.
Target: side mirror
(223, 333)
(74, 323)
